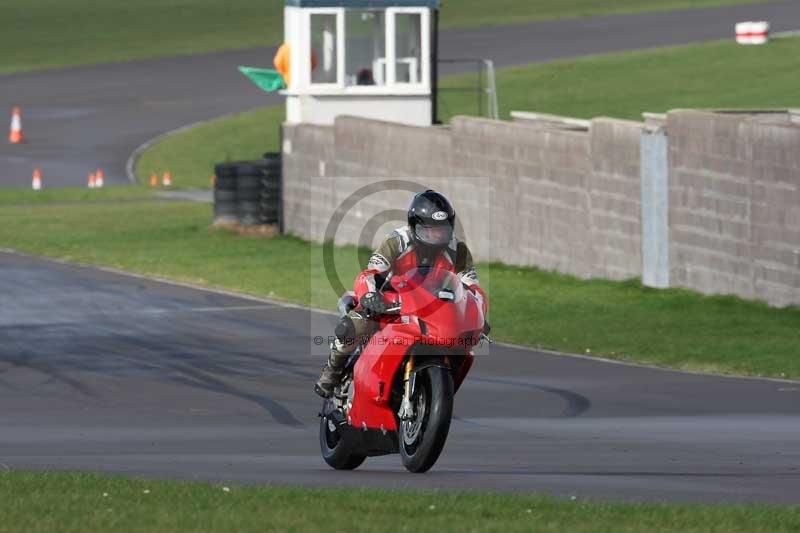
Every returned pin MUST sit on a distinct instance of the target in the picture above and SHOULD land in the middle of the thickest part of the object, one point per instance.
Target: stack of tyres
(225, 209)
(248, 192)
(270, 201)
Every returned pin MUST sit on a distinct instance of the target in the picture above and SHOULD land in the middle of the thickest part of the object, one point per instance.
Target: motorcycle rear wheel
(422, 440)
(336, 450)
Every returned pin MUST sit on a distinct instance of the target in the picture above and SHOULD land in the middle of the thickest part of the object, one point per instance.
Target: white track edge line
(130, 164)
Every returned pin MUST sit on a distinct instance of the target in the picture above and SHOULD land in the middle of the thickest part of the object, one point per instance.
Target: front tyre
(422, 439)
(335, 447)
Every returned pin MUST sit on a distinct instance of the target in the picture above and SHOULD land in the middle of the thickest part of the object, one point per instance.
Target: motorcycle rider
(427, 241)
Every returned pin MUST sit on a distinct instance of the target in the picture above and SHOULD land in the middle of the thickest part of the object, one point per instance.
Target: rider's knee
(345, 330)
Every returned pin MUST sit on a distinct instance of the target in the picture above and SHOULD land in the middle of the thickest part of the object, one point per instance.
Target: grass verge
(624, 85)
(191, 155)
(618, 85)
(675, 328)
(93, 31)
(9, 197)
(87, 503)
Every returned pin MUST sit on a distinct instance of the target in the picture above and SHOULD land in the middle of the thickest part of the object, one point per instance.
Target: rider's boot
(332, 372)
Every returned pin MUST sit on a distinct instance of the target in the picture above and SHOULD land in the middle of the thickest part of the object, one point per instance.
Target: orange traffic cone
(36, 183)
(153, 180)
(99, 178)
(92, 181)
(15, 135)
(167, 179)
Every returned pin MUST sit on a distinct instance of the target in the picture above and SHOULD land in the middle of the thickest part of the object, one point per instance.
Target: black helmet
(431, 219)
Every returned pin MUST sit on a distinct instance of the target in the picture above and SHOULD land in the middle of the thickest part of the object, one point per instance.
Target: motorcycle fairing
(443, 321)
(374, 374)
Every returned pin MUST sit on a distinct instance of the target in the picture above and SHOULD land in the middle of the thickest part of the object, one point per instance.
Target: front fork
(406, 411)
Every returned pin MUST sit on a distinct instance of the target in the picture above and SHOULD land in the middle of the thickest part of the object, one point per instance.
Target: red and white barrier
(752, 32)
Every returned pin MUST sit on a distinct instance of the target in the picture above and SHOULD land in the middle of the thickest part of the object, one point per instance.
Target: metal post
(484, 70)
(480, 89)
(491, 90)
(435, 69)
(655, 208)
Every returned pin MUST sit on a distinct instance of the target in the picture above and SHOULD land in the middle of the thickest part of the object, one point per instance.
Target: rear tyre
(422, 439)
(336, 449)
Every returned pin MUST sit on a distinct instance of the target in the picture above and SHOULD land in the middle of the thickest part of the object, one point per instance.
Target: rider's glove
(373, 303)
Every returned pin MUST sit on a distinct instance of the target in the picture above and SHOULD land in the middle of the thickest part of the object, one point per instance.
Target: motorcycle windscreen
(438, 297)
(440, 283)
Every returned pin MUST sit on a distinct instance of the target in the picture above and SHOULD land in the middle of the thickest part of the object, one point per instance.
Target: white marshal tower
(367, 58)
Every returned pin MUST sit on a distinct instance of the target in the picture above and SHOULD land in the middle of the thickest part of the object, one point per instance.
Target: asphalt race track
(113, 373)
(79, 119)
(109, 372)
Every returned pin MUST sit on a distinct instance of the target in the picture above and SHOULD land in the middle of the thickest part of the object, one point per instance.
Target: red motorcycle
(396, 394)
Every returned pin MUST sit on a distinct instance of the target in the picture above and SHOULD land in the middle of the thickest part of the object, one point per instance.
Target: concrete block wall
(734, 212)
(366, 148)
(565, 199)
(530, 195)
(615, 188)
(567, 195)
(308, 152)
(402, 158)
(540, 209)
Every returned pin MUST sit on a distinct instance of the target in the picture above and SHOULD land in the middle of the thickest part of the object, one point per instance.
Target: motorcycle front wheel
(336, 450)
(422, 439)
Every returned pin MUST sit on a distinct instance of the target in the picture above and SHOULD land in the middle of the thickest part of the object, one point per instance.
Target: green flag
(267, 79)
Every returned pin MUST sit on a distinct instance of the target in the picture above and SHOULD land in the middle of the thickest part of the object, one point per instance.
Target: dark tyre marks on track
(101, 371)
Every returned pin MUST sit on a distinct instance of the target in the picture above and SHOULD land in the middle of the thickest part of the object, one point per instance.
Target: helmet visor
(435, 235)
